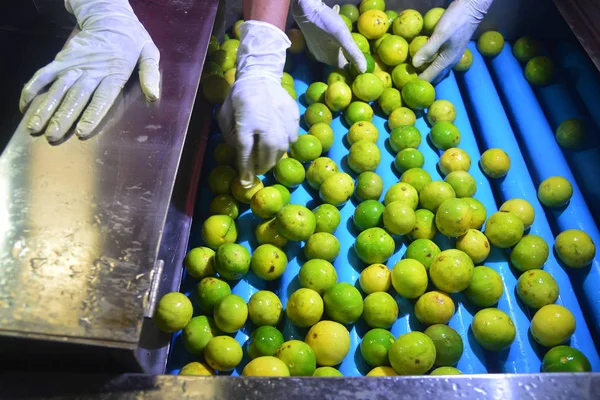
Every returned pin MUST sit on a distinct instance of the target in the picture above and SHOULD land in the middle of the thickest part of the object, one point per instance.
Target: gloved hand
(97, 61)
(259, 118)
(326, 34)
(450, 38)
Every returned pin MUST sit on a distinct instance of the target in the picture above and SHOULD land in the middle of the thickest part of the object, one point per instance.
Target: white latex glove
(96, 61)
(450, 37)
(259, 118)
(326, 34)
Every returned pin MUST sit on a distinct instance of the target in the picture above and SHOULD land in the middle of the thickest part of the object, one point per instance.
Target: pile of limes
(416, 208)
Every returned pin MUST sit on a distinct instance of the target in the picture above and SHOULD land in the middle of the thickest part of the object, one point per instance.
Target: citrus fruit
(412, 354)
(404, 137)
(215, 87)
(422, 250)
(386, 79)
(555, 192)
(213, 45)
(231, 45)
(361, 42)
(224, 154)
(318, 275)
(324, 133)
(224, 204)
(451, 271)
(347, 22)
(221, 178)
(197, 333)
(319, 170)
(368, 214)
(266, 202)
(327, 218)
(375, 278)
(462, 182)
(493, 329)
(350, 11)
(478, 212)
(434, 194)
(200, 262)
(264, 308)
(315, 93)
(267, 233)
(465, 61)
(525, 48)
(297, 39)
(575, 248)
(382, 371)
(434, 308)
(490, 43)
(367, 87)
(223, 353)
(485, 288)
(552, 325)
(539, 70)
(416, 177)
(298, 357)
(306, 148)
(393, 50)
(323, 246)
(392, 15)
(287, 79)
(374, 245)
(504, 229)
(390, 100)
(404, 193)
(453, 218)
(441, 111)
(317, 112)
(454, 159)
(196, 368)
(266, 366)
(418, 94)
(337, 189)
(343, 303)
(231, 313)
(375, 347)
(408, 158)
(372, 24)
(431, 18)
(364, 155)
(401, 116)
(565, 359)
(362, 130)
(327, 371)
(366, 5)
(173, 312)
(537, 288)
(232, 261)
(296, 222)
(268, 262)
(402, 74)
(495, 163)
(304, 307)
(474, 244)
(244, 194)
(264, 341)
(338, 75)
(399, 218)
(408, 24)
(570, 134)
(209, 291)
(415, 46)
(530, 253)
(424, 226)
(330, 341)
(445, 371)
(448, 344)
(380, 310)
(358, 111)
(409, 278)
(338, 96)
(369, 186)
(522, 208)
(445, 135)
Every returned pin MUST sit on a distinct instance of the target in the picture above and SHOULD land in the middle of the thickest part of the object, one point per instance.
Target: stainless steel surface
(544, 386)
(81, 222)
(153, 294)
(583, 16)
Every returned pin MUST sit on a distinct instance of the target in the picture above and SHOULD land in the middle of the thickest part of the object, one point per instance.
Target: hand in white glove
(259, 118)
(97, 61)
(326, 34)
(450, 37)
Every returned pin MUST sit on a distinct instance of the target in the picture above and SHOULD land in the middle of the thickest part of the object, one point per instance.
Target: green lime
(266, 202)
(375, 347)
(490, 43)
(409, 278)
(230, 76)
(327, 371)
(287, 79)
(474, 244)
(264, 341)
(364, 156)
(495, 163)
(324, 133)
(358, 111)
(173, 312)
(526, 48)
(375, 278)
(390, 100)
(209, 291)
(327, 218)
(402, 74)
(493, 329)
(539, 70)
(367, 87)
(522, 208)
(451, 271)
(382, 371)
(347, 22)
(338, 96)
(224, 154)
(485, 288)
(298, 356)
(316, 113)
(319, 170)
(374, 245)
(210, 68)
(387, 84)
(223, 58)
(221, 178)
(434, 308)
(366, 5)
(405, 137)
(445, 135)
(197, 333)
(415, 46)
(417, 178)
(196, 368)
(330, 341)
(570, 134)
(400, 117)
(361, 42)
(226, 205)
(338, 75)
(372, 24)
(296, 222)
(304, 308)
(418, 94)
(504, 229)
(350, 11)
(266, 366)
(306, 148)
(343, 303)
(453, 219)
(575, 248)
(315, 93)
(555, 192)
(337, 189)
(362, 130)
(200, 262)
(530, 253)
(441, 111)
(399, 218)
(431, 18)
(322, 245)
(422, 250)
(318, 275)
(565, 359)
(213, 45)
(412, 354)
(392, 15)
(454, 159)
(448, 344)
(223, 353)
(369, 186)
(478, 212)
(231, 313)
(393, 50)
(267, 233)
(408, 158)
(264, 308)
(465, 62)
(424, 226)
(408, 24)
(445, 371)
(368, 214)
(552, 325)
(215, 88)
(232, 261)
(243, 194)
(537, 288)
(462, 182)
(268, 262)
(434, 194)
(380, 310)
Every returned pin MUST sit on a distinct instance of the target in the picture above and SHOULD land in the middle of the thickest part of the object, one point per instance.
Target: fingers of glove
(149, 71)
(336, 8)
(435, 72)
(75, 101)
(40, 114)
(245, 147)
(225, 118)
(104, 97)
(351, 50)
(37, 83)
(428, 50)
(268, 148)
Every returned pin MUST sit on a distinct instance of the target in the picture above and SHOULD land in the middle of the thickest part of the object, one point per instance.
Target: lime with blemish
(416, 177)
(530, 253)
(475, 244)
(343, 303)
(485, 288)
(318, 275)
(231, 313)
(298, 357)
(493, 329)
(232, 261)
(575, 248)
(451, 271)
(264, 308)
(327, 218)
(209, 291)
(369, 186)
(375, 278)
(412, 354)
(323, 246)
(296, 222)
(268, 262)
(223, 353)
(448, 344)
(434, 307)
(409, 278)
(173, 312)
(424, 225)
(375, 347)
(304, 308)
(330, 341)
(218, 230)
(537, 288)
